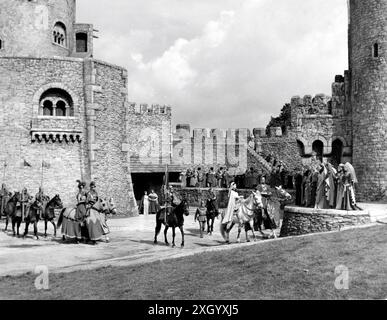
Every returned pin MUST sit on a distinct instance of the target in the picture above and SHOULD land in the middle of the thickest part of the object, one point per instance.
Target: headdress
(351, 170)
(92, 184)
(81, 184)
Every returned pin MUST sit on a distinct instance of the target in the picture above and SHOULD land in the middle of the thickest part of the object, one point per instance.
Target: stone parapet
(299, 221)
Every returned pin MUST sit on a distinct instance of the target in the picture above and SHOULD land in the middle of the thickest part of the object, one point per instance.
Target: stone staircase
(266, 166)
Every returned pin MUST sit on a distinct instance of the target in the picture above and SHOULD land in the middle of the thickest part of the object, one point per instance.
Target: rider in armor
(24, 203)
(171, 202)
(42, 198)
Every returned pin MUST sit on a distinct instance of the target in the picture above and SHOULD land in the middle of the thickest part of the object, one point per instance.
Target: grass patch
(299, 268)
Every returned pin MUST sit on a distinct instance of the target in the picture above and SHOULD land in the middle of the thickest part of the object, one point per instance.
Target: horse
(13, 210)
(212, 213)
(95, 221)
(48, 214)
(174, 220)
(244, 215)
(275, 203)
(33, 217)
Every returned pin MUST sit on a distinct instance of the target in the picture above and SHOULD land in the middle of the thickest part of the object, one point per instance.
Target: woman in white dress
(145, 204)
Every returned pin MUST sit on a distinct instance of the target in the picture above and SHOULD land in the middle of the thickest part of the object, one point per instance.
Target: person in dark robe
(154, 206)
(298, 184)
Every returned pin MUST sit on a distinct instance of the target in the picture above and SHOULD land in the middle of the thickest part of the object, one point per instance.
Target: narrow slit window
(376, 50)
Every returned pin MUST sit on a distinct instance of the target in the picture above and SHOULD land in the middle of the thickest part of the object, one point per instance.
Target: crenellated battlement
(153, 109)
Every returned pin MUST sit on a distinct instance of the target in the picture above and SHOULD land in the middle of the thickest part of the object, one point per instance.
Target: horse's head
(56, 202)
(257, 197)
(283, 194)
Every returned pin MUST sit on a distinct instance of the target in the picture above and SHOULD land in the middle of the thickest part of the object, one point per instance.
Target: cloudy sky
(221, 63)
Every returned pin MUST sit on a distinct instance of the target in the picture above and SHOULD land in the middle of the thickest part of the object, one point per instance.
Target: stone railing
(299, 221)
(266, 166)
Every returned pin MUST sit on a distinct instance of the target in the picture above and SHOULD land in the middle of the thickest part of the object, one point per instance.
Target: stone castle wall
(149, 129)
(26, 27)
(367, 29)
(106, 121)
(211, 148)
(22, 82)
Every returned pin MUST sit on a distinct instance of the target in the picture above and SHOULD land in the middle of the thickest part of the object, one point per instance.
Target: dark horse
(33, 217)
(49, 213)
(13, 210)
(174, 220)
(212, 213)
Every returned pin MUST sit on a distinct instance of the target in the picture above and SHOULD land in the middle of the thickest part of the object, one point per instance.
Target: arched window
(337, 152)
(1, 44)
(81, 41)
(56, 102)
(301, 148)
(318, 147)
(376, 50)
(60, 108)
(48, 108)
(59, 34)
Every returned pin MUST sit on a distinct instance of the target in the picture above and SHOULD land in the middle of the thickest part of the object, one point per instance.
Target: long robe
(232, 205)
(154, 206)
(321, 199)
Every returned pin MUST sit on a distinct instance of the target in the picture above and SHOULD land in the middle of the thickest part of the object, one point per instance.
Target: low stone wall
(299, 221)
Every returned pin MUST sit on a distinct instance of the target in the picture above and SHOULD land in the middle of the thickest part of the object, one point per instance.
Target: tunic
(201, 214)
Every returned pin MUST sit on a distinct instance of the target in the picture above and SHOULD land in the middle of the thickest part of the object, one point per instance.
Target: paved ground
(131, 242)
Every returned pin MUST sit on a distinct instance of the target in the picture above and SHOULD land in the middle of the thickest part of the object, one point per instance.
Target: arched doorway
(337, 152)
(318, 148)
(301, 148)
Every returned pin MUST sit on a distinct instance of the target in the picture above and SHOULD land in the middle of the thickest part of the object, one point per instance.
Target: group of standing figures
(85, 222)
(322, 186)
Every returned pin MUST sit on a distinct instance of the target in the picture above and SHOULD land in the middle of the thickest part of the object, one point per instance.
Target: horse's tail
(60, 219)
(223, 232)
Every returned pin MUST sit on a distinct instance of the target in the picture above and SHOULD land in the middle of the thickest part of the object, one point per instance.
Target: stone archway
(318, 148)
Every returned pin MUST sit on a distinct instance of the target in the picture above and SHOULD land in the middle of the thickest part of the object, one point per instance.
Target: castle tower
(36, 28)
(63, 114)
(368, 96)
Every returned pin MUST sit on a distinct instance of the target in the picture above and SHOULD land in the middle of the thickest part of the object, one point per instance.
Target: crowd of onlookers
(222, 177)
(323, 186)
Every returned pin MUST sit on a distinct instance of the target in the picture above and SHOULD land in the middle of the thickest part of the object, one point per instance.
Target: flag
(45, 165)
(26, 164)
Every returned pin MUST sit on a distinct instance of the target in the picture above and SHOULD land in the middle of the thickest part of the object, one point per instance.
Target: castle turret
(368, 73)
(42, 28)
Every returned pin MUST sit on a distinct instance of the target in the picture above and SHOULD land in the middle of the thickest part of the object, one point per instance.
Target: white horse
(242, 216)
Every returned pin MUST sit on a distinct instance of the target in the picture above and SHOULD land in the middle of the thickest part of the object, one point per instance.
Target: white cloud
(227, 63)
